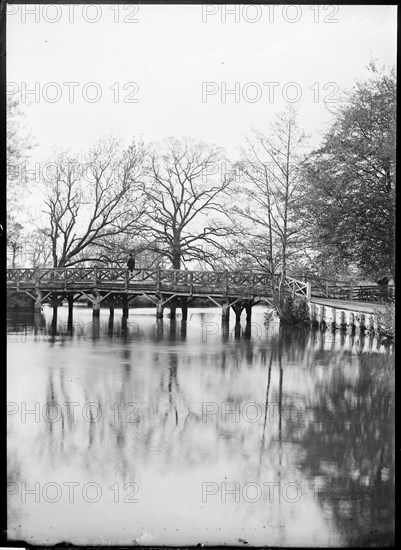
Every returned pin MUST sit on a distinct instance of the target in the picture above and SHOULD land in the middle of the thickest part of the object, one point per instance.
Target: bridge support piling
(38, 300)
(96, 305)
(125, 305)
(184, 308)
(159, 328)
(124, 328)
(312, 314)
(322, 321)
(54, 321)
(360, 323)
(248, 309)
(70, 300)
(351, 322)
(96, 327)
(334, 324)
(237, 310)
(371, 324)
(173, 308)
(111, 307)
(159, 308)
(225, 312)
(225, 331)
(110, 326)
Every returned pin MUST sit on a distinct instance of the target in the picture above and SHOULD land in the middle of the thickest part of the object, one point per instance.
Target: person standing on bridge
(131, 263)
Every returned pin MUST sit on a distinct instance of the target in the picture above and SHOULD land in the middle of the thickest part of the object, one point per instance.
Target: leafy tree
(351, 179)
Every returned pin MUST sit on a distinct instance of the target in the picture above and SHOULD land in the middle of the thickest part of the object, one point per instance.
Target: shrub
(295, 311)
(385, 317)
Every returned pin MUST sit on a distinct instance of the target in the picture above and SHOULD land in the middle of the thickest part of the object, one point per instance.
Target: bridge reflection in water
(281, 438)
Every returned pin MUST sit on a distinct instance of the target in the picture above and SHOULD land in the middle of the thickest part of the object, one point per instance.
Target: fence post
(351, 290)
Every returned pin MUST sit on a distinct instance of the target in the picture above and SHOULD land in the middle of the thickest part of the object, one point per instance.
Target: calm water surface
(171, 433)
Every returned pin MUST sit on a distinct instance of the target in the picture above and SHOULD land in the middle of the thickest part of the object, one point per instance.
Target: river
(171, 433)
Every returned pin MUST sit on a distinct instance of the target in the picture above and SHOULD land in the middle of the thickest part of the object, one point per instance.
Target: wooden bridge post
(224, 330)
(96, 303)
(173, 308)
(159, 307)
(225, 312)
(351, 291)
(110, 325)
(54, 321)
(371, 324)
(184, 308)
(322, 321)
(351, 322)
(159, 327)
(360, 322)
(125, 305)
(38, 300)
(70, 299)
(95, 327)
(237, 310)
(334, 318)
(111, 307)
(312, 314)
(248, 309)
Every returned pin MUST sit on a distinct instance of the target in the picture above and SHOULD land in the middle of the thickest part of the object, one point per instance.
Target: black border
(4, 543)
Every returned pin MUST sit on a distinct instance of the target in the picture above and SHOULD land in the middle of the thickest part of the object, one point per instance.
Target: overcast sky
(175, 63)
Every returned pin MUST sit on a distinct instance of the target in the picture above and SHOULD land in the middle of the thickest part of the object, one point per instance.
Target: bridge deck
(349, 305)
(238, 284)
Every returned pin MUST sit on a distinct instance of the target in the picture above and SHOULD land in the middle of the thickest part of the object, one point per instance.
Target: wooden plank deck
(349, 305)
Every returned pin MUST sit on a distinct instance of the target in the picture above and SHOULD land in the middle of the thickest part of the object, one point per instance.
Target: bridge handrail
(246, 279)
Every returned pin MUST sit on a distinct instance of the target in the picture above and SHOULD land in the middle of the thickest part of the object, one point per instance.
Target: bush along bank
(385, 318)
(16, 301)
(295, 311)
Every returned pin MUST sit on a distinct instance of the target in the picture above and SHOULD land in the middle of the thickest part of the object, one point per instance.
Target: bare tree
(87, 203)
(270, 211)
(185, 202)
(14, 239)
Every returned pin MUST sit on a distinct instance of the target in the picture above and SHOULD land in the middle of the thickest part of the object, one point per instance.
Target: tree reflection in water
(326, 422)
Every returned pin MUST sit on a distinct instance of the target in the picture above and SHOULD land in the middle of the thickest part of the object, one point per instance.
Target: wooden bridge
(238, 290)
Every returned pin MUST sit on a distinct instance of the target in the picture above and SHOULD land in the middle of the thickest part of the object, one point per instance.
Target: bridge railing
(297, 287)
(348, 291)
(247, 280)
